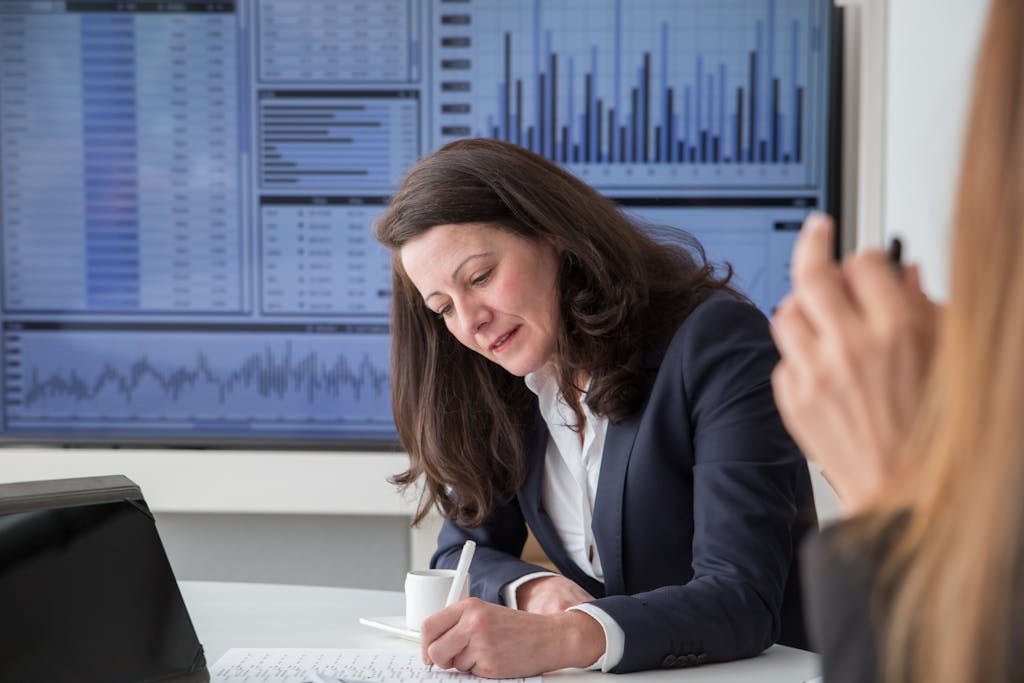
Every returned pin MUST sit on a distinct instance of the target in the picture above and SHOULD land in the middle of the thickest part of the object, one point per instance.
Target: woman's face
(496, 292)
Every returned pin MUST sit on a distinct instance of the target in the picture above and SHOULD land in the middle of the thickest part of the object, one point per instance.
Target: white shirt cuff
(508, 591)
(614, 637)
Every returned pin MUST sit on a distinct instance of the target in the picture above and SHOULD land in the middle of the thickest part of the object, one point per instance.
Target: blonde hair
(953, 578)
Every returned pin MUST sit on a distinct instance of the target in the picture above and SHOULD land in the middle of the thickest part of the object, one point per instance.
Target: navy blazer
(702, 500)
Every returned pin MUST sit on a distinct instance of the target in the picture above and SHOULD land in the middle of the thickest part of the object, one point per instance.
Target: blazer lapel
(537, 518)
(611, 483)
(535, 445)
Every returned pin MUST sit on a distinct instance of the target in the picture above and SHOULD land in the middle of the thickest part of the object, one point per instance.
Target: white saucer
(393, 625)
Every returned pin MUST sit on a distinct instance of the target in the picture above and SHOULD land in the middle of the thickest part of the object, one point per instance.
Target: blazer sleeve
(499, 543)
(749, 485)
(843, 602)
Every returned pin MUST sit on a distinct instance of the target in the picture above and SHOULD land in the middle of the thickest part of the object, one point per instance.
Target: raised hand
(856, 341)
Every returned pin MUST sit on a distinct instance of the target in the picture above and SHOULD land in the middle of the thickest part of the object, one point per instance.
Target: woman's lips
(502, 341)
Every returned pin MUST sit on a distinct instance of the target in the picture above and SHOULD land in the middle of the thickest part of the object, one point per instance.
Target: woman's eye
(482, 279)
(445, 311)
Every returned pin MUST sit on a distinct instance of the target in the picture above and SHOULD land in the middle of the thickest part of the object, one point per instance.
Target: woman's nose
(474, 319)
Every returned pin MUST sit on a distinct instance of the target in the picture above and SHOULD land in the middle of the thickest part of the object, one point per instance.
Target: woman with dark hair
(555, 367)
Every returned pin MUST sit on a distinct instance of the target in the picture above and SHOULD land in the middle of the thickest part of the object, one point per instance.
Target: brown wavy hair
(461, 417)
(954, 581)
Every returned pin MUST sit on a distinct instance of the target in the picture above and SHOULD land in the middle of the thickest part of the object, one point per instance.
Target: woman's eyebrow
(455, 273)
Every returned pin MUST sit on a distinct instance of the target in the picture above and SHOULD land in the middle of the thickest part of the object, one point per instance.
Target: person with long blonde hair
(916, 419)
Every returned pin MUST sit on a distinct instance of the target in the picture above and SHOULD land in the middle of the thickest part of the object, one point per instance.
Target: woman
(925, 582)
(553, 366)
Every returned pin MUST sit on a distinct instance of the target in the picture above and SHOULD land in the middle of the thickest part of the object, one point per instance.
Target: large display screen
(187, 188)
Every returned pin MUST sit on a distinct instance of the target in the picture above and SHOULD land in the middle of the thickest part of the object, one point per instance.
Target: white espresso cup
(426, 591)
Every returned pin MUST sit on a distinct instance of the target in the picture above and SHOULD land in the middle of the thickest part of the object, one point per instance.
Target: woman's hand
(550, 595)
(497, 642)
(856, 342)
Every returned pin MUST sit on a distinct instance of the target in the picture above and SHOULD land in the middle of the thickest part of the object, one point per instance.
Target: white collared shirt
(571, 471)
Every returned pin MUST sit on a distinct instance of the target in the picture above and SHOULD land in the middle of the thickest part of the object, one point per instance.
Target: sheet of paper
(292, 665)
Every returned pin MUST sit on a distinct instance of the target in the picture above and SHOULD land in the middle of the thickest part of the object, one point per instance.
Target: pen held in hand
(895, 252)
(461, 570)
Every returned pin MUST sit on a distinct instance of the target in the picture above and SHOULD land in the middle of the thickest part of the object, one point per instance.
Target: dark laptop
(86, 591)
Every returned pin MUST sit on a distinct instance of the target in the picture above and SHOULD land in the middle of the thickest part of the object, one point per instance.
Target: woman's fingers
(817, 279)
(490, 640)
(792, 331)
(912, 280)
(889, 300)
(439, 639)
(855, 340)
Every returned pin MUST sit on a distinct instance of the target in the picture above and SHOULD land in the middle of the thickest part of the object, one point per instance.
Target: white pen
(461, 570)
(468, 548)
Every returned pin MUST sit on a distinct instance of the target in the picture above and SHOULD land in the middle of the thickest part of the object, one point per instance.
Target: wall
(365, 551)
(931, 49)
(287, 517)
(907, 80)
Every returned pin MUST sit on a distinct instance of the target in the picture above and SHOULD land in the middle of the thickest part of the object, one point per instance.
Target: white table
(230, 615)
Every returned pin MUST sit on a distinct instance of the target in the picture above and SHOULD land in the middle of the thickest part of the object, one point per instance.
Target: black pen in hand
(895, 252)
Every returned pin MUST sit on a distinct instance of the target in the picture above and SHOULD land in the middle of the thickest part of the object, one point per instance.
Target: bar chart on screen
(723, 94)
(188, 189)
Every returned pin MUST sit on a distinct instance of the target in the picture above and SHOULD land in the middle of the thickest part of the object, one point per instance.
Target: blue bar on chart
(110, 158)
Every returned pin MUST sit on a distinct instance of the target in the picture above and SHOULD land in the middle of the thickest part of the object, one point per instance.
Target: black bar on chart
(508, 84)
(587, 116)
(519, 111)
(798, 143)
(739, 125)
(668, 126)
(647, 101)
(554, 104)
(776, 126)
(752, 129)
(543, 115)
(633, 122)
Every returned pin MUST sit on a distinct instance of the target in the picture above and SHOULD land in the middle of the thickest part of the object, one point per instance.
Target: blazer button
(669, 661)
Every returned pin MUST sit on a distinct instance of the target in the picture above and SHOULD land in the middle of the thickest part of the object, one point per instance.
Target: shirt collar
(542, 381)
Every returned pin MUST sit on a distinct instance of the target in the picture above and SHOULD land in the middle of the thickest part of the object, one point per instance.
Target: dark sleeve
(839, 584)
(751, 501)
(499, 543)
